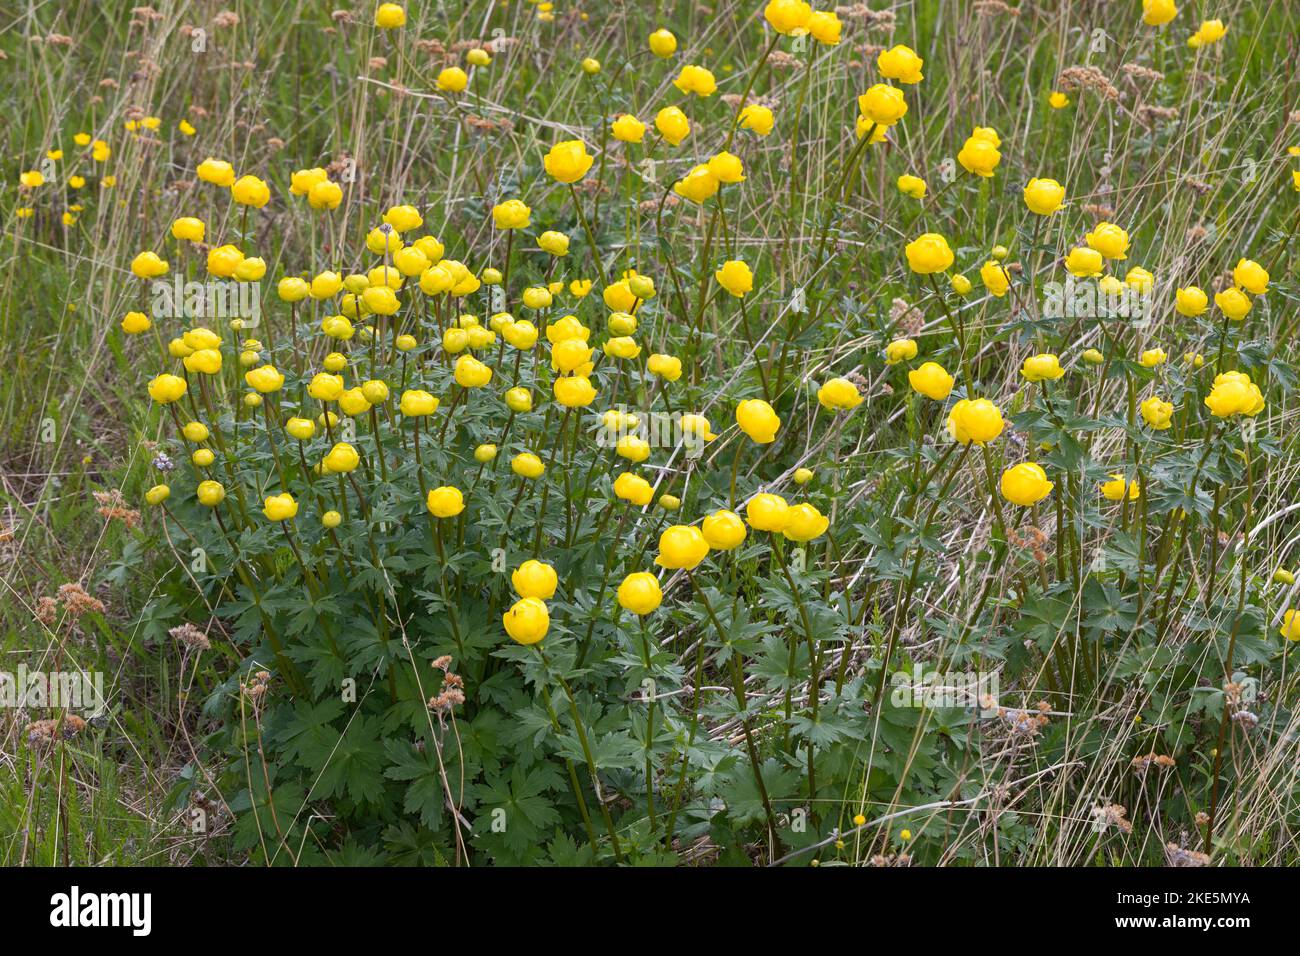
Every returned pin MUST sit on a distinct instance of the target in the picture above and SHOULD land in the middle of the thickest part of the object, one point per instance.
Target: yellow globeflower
(976, 421)
(932, 380)
(280, 507)
(640, 593)
(527, 621)
(723, 530)
(758, 420)
(535, 579)
(681, 546)
(445, 502)
(1025, 484)
(1045, 367)
(1115, 489)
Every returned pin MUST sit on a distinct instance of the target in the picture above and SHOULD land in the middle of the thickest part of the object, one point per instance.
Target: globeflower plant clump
(578, 438)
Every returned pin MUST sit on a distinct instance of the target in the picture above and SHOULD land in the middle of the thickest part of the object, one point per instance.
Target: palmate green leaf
(309, 736)
(524, 798)
(354, 765)
(409, 845)
(325, 669)
(425, 793)
(741, 794)
(821, 732)
(1105, 609)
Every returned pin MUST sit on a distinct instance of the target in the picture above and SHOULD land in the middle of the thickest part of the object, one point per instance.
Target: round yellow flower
(1044, 196)
(803, 523)
(280, 507)
(527, 621)
(932, 380)
(1044, 367)
(1157, 413)
(1117, 487)
(568, 162)
(1025, 484)
(535, 579)
(767, 512)
(723, 530)
(976, 421)
(681, 546)
(640, 593)
(736, 277)
(900, 63)
(839, 394)
(758, 420)
(928, 253)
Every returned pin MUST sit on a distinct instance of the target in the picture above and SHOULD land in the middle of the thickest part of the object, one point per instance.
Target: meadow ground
(860, 437)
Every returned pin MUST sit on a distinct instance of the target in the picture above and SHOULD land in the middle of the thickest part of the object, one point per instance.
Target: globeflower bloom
(167, 388)
(995, 278)
(1234, 393)
(723, 530)
(342, 459)
(681, 547)
(445, 502)
(148, 265)
(568, 162)
(264, 379)
(390, 16)
(1025, 484)
(839, 394)
(216, 171)
(1108, 239)
(452, 80)
(511, 214)
(1157, 13)
(280, 507)
(697, 185)
(913, 186)
(189, 229)
(976, 421)
(697, 80)
(672, 125)
(931, 380)
(628, 129)
(633, 489)
(757, 119)
(250, 191)
(663, 43)
(900, 63)
(1157, 413)
(825, 27)
(767, 512)
(883, 104)
(1190, 301)
(803, 522)
(640, 593)
(535, 579)
(1084, 263)
(471, 373)
(527, 621)
(788, 17)
(1233, 303)
(928, 253)
(527, 465)
(1117, 487)
(727, 168)
(1251, 276)
(736, 277)
(758, 420)
(1044, 367)
(1044, 196)
(979, 156)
